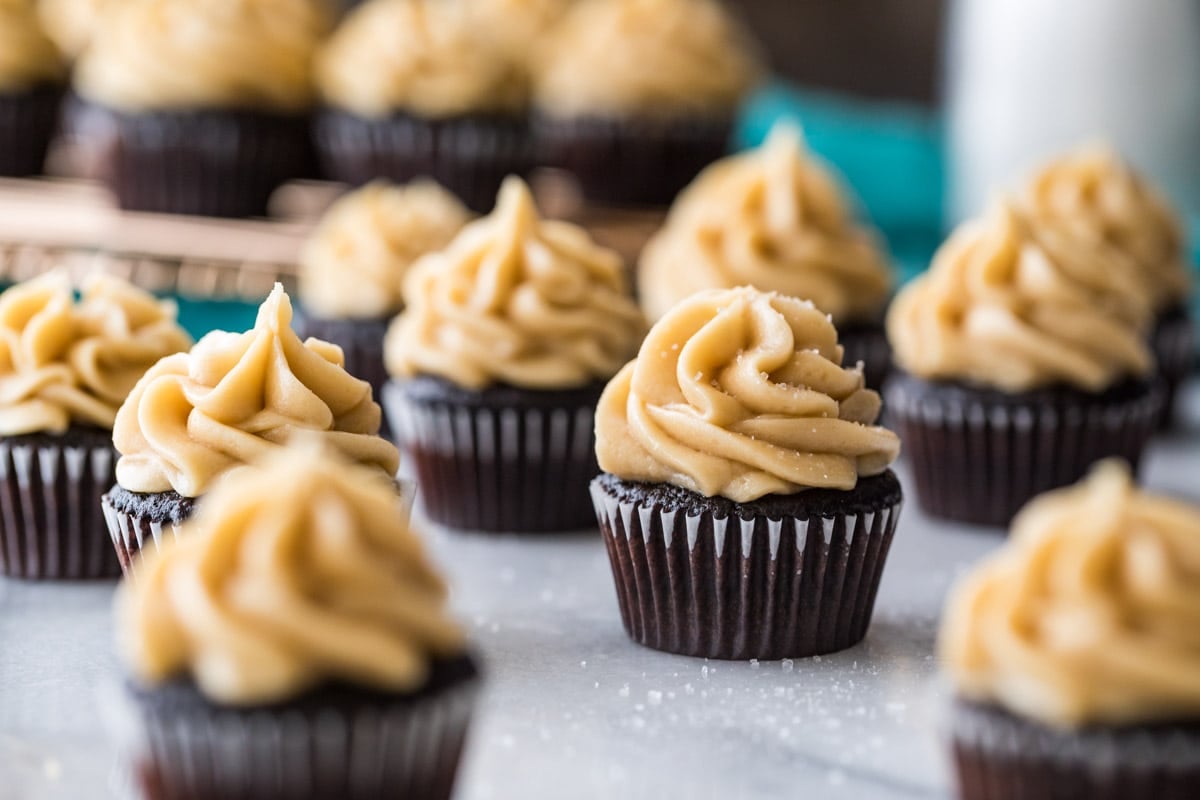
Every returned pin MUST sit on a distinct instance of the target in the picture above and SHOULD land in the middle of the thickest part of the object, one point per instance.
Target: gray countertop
(571, 707)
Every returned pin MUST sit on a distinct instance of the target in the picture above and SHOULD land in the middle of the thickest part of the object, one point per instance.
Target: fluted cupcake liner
(979, 455)
(210, 162)
(999, 756)
(867, 343)
(1174, 346)
(692, 581)
(498, 468)
(28, 120)
(50, 523)
(469, 155)
(347, 744)
(631, 162)
(361, 341)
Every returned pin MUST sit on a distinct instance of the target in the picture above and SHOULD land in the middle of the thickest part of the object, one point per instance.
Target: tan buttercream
(28, 58)
(164, 54)
(742, 394)
(646, 58)
(520, 24)
(355, 262)
(64, 363)
(997, 308)
(1094, 202)
(293, 573)
(237, 396)
(516, 300)
(72, 23)
(773, 219)
(1090, 614)
(429, 57)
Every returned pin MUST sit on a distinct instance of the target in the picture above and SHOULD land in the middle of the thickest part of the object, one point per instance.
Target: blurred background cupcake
(774, 218)
(202, 108)
(422, 88)
(635, 97)
(32, 78)
(352, 269)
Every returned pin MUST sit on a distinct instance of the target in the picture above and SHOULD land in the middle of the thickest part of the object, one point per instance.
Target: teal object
(198, 317)
(890, 153)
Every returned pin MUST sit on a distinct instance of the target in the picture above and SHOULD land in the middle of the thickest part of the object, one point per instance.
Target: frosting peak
(1000, 308)
(355, 262)
(301, 571)
(63, 362)
(742, 394)
(518, 300)
(236, 397)
(647, 58)
(1090, 613)
(774, 219)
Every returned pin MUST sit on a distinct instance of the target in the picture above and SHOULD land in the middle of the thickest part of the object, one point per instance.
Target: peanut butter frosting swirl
(63, 362)
(434, 58)
(27, 56)
(773, 219)
(516, 300)
(1001, 309)
(1091, 612)
(355, 262)
(236, 397)
(297, 572)
(742, 394)
(1092, 200)
(71, 23)
(166, 54)
(646, 58)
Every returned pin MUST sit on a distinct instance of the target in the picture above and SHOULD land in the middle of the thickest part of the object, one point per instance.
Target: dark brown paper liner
(1174, 345)
(471, 155)
(867, 343)
(998, 756)
(131, 533)
(631, 162)
(499, 468)
(346, 744)
(979, 455)
(697, 584)
(50, 522)
(361, 341)
(27, 123)
(217, 163)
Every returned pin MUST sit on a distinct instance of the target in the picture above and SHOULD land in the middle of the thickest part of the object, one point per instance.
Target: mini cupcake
(746, 500)
(65, 368)
(635, 97)
(420, 88)
(1074, 654)
(497, 363)
(32, 76)
(295, 644)
(236, 396)
(352, 269)
(1019, 366)
(205, 106)
(774, 219)
(1093, 202)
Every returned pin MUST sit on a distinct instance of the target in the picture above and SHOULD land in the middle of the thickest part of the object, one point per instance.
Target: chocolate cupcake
(201, 108)
(747, 505)
(421, 88)
(497, 363)
(65, 368)
(1019, 366)
(1091, 201)
(32, 76)
(774, 219)
(1073, 652)
(195, 416)
(352, 268)
(327, 664)
(635, 97)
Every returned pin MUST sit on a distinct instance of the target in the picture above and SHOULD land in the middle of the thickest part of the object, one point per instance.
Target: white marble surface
(572, 709)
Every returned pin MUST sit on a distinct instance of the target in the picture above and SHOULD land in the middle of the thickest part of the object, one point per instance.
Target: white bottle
(1027, 79)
